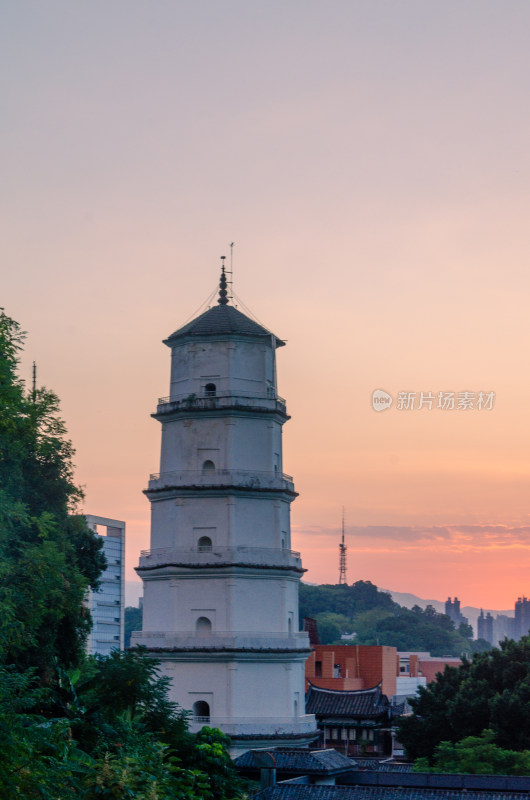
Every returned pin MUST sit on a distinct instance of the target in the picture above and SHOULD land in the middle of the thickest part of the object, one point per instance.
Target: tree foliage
(491, 692)
(342, 599)
(48, 558)
(376, 619)
(133, 622)
(476, 755)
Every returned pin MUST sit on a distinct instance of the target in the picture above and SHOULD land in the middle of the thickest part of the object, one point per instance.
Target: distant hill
(472, 613)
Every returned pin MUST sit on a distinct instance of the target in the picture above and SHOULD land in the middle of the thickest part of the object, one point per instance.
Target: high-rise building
(107, 606)
(522, 617)
(452, 609)
(220, 581)
(485, 627)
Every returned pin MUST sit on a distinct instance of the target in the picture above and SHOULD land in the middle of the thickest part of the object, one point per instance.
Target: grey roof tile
(300, 761)
(362, 703)
(222, 320)
(305, 792)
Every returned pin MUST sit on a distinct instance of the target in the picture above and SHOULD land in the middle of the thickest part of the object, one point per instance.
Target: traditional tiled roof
(377, 765)
(360, 703)
(305, 792)
(308, 762)
(222, 320)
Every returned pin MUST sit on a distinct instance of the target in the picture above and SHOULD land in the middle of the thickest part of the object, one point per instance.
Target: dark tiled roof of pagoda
(305, 792)
(222, 320)
(308, 762)
(361, 703)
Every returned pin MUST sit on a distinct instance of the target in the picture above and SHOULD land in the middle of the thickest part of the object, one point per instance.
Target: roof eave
(185, 338)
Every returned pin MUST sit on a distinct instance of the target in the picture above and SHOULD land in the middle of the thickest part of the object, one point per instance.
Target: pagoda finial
(223, 299)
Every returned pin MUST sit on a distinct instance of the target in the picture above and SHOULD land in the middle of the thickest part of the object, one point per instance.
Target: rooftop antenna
(231, 273)
(342, 555)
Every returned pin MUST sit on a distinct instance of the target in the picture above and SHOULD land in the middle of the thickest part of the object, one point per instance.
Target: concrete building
(452, 609)
(107, 606)
(422, 665)
(220, 580)
(522, 617)
(352, 667)
(485, 625)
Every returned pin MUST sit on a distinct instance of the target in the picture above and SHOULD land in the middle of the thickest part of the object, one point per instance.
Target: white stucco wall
(227, 618)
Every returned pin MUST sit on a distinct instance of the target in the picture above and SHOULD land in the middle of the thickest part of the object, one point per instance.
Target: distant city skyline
(370, 162)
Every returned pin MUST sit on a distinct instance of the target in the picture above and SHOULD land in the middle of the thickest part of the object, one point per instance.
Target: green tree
(376, 619)
(331, 626)
(414, 629)
(48, 558)
(121, 714)
(491, 692)
(476, 755)
(133, 622)
(342, 599)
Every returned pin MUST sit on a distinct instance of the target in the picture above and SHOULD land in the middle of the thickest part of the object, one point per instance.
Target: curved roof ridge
(346, 691)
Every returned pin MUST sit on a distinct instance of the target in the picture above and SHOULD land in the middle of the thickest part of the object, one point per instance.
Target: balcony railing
(223, 399)
(261, 556)
(217, 478)
(221, 640)
(305, 723)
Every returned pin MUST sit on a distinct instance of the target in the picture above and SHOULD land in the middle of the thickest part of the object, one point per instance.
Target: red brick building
(352, 667)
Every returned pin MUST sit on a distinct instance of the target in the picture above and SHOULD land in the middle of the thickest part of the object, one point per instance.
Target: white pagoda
(220, 580)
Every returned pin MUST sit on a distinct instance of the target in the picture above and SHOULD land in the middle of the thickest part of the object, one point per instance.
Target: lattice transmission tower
(342, 556)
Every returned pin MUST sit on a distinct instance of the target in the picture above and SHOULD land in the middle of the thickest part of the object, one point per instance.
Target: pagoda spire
(223, 294)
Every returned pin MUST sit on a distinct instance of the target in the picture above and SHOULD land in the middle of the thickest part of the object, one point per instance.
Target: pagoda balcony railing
(217, 478)
(221, 640)
(223, 399)
(305, 723)
(207, 556)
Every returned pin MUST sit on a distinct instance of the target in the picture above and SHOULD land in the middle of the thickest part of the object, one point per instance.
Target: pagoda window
(203, 626)
(210, 390)
(201, 711)
(204, 544)
(208, 466)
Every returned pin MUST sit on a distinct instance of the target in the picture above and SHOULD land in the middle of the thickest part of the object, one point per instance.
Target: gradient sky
(370, 160)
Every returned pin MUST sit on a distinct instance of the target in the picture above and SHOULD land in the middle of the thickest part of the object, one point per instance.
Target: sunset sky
(370, 160)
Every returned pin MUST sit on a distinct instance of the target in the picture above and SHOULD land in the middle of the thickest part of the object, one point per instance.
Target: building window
(201, 711)
(210, 390)
(204, 544)
(336, 671)
(352, 734)
(318, 669)
(203, 626)
(208, 466)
